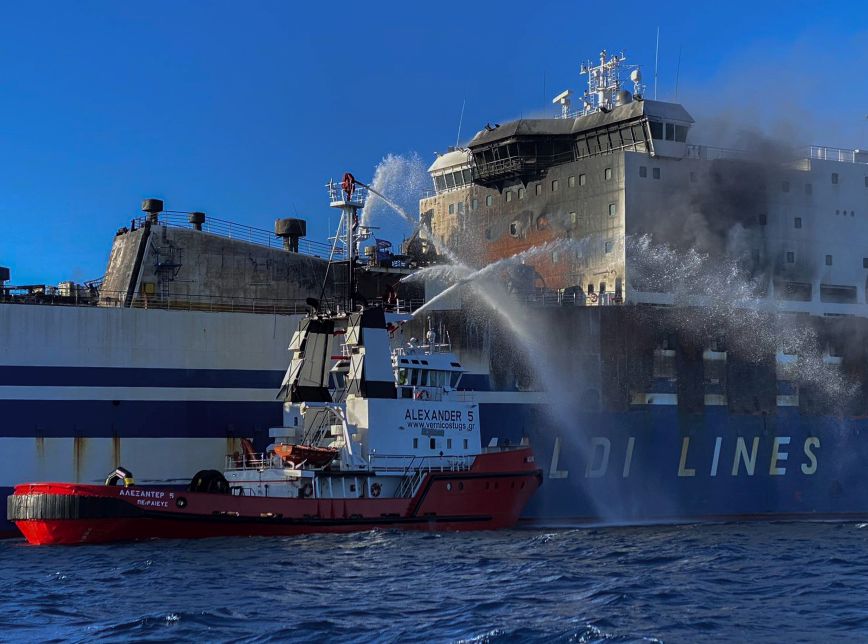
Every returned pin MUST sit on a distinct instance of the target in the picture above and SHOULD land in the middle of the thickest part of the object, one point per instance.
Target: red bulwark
(491, 494)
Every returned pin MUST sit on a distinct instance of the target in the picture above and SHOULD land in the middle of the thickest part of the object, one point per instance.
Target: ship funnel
(290, 230)
(153, 207)
(197, 219)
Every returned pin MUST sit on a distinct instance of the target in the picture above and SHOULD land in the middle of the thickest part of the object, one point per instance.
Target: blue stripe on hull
(139, 377)
(137, 419)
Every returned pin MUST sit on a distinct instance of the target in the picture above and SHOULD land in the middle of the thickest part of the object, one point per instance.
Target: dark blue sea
(741, 582)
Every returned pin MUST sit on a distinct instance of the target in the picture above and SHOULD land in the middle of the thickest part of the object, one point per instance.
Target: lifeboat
(315, 456)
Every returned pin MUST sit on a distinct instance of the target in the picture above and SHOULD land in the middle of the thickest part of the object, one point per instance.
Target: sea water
(782, 582)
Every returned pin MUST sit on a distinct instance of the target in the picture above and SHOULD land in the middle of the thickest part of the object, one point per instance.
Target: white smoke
(718, 295)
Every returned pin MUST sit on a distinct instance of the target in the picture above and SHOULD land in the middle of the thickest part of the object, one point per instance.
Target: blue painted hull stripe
(136, 419)
(138, 377)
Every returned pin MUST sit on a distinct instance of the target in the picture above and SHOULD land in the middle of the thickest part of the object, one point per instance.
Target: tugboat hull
(490, 495)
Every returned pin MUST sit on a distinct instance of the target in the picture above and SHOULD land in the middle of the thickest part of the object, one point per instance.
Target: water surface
(752, 582)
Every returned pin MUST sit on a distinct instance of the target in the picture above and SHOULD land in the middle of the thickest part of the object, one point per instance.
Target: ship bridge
(523, 150)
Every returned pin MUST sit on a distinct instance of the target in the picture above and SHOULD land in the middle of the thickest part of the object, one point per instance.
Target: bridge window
(655, 172)
(680, 133)
(439, 183)
(643, 171)
(571, 182)
(465, 443)
(791, 257)
(607, 174)
(509, 195)
(460, 207)
(670, 131)
(797, 222)
(448, 443)
(474, 204)
(538, 189)
(613, 209)
(450, 180)
(415, 443)
(835, 178)
(452, 209)
(656, 128)
(489, 200)
(828, 260)
(522, 193)
(607, 247)
(573, 219)
(433, 443)
(865, 262)
(555, 185)
(582, 179)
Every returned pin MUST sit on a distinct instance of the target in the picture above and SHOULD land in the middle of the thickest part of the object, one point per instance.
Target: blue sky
(245, 109)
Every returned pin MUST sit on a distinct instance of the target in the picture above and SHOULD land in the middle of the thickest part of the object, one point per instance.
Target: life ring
(305, 491)
(422, 394)
(592, 297)
(376, 488)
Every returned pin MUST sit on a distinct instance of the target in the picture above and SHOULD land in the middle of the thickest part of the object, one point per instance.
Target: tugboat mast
(349, 197)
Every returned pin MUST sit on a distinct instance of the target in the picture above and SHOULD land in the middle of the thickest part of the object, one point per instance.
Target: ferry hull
(491, 495)
(657, 465)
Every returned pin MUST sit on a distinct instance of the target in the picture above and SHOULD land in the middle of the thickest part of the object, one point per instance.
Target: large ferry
(692, 322)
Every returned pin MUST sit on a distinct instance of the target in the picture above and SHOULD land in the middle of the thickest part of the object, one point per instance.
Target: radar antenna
(604, 82)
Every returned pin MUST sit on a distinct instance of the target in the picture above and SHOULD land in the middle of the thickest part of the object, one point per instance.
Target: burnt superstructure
(627, 166)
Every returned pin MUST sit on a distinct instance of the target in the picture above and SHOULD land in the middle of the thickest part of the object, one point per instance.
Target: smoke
(404, 178)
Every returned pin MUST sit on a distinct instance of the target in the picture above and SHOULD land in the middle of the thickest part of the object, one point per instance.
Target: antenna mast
(349, 197)
(656, 58)
(460, 119)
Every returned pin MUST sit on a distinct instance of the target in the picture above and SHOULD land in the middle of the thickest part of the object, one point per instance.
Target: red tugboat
(383, 439)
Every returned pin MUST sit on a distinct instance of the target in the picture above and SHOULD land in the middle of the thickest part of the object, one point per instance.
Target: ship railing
(89, 297)
(572, 298)
(257, 461)
(241, 232)
(337, 195)
(406, 463)
(844, 155)
(208, 303)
